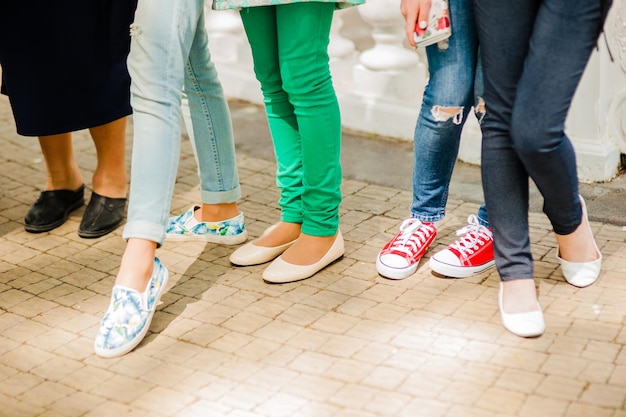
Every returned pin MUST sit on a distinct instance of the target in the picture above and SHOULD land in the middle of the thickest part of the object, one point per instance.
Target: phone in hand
(438, 27)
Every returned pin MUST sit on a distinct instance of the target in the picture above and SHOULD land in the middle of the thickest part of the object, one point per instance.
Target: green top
(238, 4)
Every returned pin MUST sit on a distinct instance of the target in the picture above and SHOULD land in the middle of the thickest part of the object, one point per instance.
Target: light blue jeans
(455, 81)
(169, 60)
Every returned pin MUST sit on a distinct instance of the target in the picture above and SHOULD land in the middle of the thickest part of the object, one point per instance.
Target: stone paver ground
(345, 343)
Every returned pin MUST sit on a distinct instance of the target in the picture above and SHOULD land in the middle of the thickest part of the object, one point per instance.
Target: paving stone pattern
(345, 343)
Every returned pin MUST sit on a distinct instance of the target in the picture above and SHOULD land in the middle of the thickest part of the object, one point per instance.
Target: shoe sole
(395, 273)
(31, 228)
(453, 271)
(223, 240)
(125, 349)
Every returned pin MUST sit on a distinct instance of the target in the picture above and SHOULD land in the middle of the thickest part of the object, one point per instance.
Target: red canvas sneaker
(470, 255)
(401, 255)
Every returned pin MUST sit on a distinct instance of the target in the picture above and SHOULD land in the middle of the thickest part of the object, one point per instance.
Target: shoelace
(414, 234)
(474, 234)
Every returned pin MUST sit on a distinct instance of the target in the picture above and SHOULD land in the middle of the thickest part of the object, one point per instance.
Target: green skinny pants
(289, 45)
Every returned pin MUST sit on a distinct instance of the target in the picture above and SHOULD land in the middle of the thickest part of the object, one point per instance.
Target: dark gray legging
(534, 53)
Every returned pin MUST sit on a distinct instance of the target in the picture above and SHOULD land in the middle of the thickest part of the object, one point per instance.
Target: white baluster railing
(380, 81)
(388, 78)
(231, 54)
(342, 51)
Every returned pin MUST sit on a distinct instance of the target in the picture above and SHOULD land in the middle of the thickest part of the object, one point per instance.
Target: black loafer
(52, 208)
(101, 216)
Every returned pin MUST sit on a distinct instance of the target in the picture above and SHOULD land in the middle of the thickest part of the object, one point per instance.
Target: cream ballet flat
(251, 254)
(581, 274)
(280, 272)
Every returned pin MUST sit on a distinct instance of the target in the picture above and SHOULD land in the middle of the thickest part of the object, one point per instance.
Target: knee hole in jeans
(480, 109)
(443, 114)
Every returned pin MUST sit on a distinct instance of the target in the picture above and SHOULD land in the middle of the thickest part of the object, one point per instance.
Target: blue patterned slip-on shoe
(186, 227)
(128, 317)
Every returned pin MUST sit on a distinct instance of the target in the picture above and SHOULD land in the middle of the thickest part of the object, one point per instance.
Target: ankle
(111, 192)
(111, 187)
(519, 296)
(137, 264)
(283, 233)
(578, 246)
(308, 249)
(72, 184)
(216, 212)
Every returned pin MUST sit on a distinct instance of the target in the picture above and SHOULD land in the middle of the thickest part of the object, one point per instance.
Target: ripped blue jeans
(455, 87)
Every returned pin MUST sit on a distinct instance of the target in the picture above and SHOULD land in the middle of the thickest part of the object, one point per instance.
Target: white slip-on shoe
(527, 324)
(581, 274)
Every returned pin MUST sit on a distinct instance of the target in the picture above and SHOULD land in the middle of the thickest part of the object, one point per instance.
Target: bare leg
(216, 212)
(137, 263)
(110, 178)
(58, 153)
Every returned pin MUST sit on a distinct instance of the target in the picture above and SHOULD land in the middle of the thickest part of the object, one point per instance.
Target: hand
(415, 14)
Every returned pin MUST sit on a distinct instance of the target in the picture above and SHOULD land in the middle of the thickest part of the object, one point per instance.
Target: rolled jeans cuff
(221, 197)
(144, 230)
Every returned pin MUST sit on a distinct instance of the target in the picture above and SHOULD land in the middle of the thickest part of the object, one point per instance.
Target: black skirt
(64, 63)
